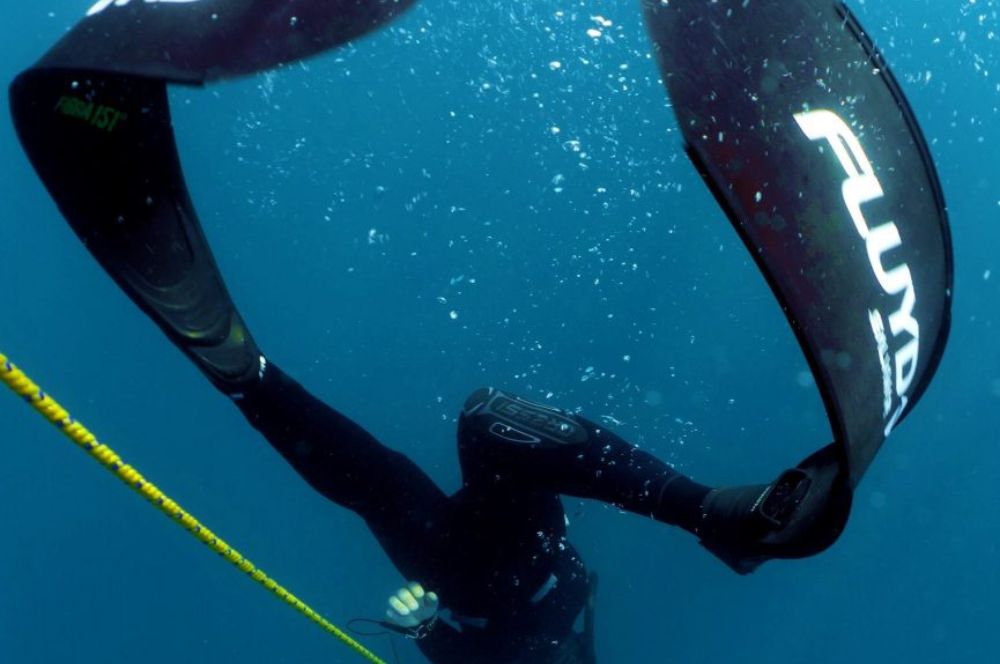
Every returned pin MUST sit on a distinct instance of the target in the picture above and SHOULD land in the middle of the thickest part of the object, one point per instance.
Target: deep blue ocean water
(439, 207)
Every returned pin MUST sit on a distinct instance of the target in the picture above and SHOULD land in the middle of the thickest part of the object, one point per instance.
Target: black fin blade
(793, 119)
(201, 40)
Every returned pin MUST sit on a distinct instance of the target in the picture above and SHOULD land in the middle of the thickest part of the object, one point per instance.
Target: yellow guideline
(15, 379)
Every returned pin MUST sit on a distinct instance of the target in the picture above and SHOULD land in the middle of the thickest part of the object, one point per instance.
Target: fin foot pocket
(234, 362)
(800, 514)
(120, 186)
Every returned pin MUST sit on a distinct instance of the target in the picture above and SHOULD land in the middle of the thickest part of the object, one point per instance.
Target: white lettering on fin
(860, 187)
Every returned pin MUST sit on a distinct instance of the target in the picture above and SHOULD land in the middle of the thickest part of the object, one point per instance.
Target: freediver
(495, 553)
(494, 556)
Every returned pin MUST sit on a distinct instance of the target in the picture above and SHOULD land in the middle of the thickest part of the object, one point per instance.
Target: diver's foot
(737, 522)
(231, 360)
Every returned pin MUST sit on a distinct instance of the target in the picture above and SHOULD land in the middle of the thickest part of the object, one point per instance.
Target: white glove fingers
(398, 606)
(411, 606)
(407, 598)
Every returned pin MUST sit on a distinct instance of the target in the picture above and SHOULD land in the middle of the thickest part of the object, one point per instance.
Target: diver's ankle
(729, 508)
(229, 357)
(238, 388)
(680, 502)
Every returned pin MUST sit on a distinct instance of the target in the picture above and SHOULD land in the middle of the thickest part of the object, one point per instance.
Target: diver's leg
(402, 506)
(161, 259)
(336, 456)
(506, 440)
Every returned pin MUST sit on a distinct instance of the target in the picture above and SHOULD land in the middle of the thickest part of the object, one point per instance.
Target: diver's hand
(411, 606)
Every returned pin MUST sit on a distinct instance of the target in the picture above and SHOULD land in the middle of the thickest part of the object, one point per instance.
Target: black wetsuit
(496, 551)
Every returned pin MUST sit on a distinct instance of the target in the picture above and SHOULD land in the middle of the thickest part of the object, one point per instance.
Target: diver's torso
(510, 578)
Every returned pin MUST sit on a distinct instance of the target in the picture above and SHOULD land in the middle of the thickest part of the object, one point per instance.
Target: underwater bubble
(654, 398)
(804, 378)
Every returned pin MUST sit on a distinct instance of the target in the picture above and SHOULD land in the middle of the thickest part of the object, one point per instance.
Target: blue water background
(400, 223)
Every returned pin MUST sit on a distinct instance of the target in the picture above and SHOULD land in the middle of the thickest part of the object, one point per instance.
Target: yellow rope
(54, 413)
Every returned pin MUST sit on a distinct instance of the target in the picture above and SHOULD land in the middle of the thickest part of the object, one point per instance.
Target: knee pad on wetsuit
(492, 416)
(498, 433)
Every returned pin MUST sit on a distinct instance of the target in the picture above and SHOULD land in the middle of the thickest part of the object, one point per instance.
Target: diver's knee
(490, 414)
(477, 400)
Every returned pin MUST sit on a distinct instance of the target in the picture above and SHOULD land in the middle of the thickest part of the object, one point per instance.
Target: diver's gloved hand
(412, 609)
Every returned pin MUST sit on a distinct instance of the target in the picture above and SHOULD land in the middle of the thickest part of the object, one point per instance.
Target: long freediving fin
(795, 122)
(94, 118)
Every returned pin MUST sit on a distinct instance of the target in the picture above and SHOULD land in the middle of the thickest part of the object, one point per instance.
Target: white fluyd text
(862, 186)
